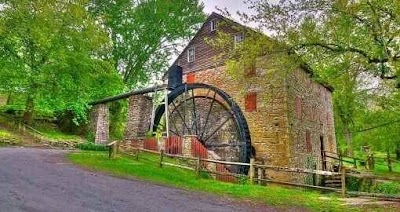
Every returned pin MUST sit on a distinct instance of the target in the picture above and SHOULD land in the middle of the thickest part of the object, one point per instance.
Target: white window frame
(189, 56)
(236, 37)
(213, 25)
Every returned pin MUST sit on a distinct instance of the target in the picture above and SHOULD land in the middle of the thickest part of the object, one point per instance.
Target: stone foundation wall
(100, 123)
(139, 116)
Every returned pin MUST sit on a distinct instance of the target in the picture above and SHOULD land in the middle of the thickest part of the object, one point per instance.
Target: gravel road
(43, 180)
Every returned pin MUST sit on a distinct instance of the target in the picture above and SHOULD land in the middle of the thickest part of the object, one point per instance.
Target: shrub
(91, 146)
(386, 187)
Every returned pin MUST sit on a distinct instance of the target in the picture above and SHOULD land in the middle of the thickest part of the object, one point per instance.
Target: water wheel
(212, 116)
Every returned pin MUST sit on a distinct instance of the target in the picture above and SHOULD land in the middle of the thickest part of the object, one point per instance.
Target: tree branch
(341, 49)
(379, 126)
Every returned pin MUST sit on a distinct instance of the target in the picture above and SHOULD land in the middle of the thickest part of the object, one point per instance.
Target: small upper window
(213, 25)
(191, 54)
(237, 38)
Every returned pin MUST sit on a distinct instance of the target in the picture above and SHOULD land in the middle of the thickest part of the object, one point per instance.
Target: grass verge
(147, 168)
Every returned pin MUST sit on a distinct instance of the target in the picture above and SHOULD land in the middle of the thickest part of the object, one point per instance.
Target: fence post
(343, 181)
(137, 153)
(161, 158)
(198, 166)
(251, 171)
(260, 174)
(114, 149)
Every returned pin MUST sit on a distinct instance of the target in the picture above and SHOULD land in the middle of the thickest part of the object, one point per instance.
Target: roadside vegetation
(146, 168)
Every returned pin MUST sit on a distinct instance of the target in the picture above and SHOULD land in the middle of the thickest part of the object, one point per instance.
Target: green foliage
(4, 134)
(53, 133)
(51, 55)
(387, 188)
(118, 116)
(146, 33)
(371, 186)
(90, 136)
(91, 146)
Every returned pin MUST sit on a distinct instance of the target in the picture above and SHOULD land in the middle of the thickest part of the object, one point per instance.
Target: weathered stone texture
(278, 134)
(187, 146)
(310, 114)
(268, 124)
(100, 123)
(139, 116)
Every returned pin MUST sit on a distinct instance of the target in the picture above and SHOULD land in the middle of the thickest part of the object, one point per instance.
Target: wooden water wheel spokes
(212, 116)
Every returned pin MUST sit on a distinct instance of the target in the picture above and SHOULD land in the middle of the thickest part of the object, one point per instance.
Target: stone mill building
(290, 124)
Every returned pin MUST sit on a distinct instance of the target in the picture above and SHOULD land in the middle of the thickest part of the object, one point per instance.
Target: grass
(7, 138)
(55, 134)
(4, 134)
(147, 168)
(381, 167)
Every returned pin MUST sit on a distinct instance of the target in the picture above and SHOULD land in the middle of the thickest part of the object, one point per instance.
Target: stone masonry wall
(268, 124)
(311, 121)
(139, 117)
(100, 123)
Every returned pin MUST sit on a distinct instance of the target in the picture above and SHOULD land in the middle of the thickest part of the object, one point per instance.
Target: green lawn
(381, 167)
(54, 134)
(146, 168)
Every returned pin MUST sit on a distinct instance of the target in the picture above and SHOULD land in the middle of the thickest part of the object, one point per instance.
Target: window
(190, 78)
(191, 54)
(213, 25)
(250, 102)
(237, 38)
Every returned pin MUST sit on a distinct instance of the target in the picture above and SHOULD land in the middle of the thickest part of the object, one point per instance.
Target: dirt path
(42, 180)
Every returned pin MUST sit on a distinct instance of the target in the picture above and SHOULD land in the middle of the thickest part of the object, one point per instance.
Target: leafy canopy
(51, 53)
(147, 33)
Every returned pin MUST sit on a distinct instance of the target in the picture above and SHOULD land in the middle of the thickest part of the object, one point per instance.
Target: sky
(231, 5)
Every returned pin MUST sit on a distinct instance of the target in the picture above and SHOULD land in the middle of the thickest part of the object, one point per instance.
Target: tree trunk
(389, 162)
(27, 118)
(349, 142)
(9, 98)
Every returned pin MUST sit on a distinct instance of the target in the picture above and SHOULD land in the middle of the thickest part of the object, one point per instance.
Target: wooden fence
(368, 162)
(256, 172)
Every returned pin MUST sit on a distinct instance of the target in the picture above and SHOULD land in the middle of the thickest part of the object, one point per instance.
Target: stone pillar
(139, 117)
(100, 123)
(187, 145)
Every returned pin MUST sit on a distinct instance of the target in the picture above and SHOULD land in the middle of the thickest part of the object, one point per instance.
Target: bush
(386, 187)
(91, 146)
(372, 186)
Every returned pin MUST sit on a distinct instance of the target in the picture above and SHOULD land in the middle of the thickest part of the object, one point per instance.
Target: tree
(146, 33)
(367, 30)
(51, 53)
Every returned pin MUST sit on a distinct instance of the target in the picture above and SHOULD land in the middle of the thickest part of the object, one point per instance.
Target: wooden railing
(257, 173)
(22, 127)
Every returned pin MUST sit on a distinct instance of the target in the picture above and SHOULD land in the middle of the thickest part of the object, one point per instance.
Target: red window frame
(190, 78)
(308, 141)
(250, 102)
